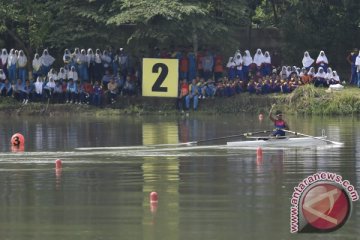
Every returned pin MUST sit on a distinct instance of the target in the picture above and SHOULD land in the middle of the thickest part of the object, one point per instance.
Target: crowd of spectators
(100, 77)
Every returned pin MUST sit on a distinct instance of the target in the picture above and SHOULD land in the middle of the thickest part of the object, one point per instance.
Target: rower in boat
(279, 122)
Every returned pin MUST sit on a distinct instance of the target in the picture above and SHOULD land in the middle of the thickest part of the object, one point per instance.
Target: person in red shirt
(184, 91)
(183, 66)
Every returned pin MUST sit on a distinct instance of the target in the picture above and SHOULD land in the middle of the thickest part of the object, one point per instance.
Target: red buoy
(58, 164)
(153, 197)
(17, 139)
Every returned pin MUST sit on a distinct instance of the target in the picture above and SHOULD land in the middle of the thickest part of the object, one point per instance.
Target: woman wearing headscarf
(22, 62)
(36, 65)
(49, 88)
(322, 61)
(52, 74)
(83, 66)
(307, 61)
(2, 75)
(39, 87)
(335, 78)
(46, 62)
(259, 60)
(238, 60)
(72, 74)
(3, 60)
(67, 57)
(247, 61)
(328, 76)
(283, 73)
(74, 59)
(320, 78)
(231, 66)
(11, 65)
(267, 67)
(98, 67)
(62, 75)
(90, 60)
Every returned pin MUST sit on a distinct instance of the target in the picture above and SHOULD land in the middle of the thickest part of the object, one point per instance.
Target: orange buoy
(58, 164)
(17, 139)
(261, 116)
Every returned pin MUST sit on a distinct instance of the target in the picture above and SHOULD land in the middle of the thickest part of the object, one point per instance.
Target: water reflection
(205, 191)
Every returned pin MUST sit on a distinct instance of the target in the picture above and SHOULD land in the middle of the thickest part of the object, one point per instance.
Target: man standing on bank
(280, 124)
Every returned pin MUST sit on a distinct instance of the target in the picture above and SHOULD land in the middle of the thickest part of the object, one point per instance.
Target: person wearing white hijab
(98, 67)
(72, 74)
(83, 66)
(22, 64)
(39, 87)
(320, 78)
(36, 66)
(357, 64)
(74, 59)
(3, 60)
(67, 57)
(328, 74)
(238, 60)
(231, 68)
(335, 78)
(312, 72)
(52, 74)
(49, 87)
(307, 61)
(2, 75)
(62, 75)
(322, 61)
(11, 65)
(91, 64)
(247, 62)
(46, 61)
(283, 73)
(259, 58)
(267, 66)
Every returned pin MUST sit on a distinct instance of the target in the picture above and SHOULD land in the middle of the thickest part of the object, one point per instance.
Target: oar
(226, 137)
(305, 135)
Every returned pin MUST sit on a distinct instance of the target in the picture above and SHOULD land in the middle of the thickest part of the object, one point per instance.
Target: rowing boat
(283, 142)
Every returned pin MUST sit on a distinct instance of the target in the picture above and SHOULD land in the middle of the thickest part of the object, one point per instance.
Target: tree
(24, 24)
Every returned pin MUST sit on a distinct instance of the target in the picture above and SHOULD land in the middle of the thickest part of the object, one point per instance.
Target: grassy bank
(305, 100)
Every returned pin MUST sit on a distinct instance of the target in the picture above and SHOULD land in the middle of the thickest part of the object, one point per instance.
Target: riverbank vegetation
(304, 100)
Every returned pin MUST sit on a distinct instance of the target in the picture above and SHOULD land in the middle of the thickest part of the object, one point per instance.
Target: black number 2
(164, 72)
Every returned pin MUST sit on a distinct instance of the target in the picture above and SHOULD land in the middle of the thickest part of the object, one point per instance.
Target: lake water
(206, 191)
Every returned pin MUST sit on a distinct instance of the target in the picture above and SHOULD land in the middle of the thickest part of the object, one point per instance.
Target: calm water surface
(207, 191)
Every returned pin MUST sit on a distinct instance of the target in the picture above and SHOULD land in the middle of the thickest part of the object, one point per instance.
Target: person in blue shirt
(6, 89)
(71, 92)
(193, 94)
